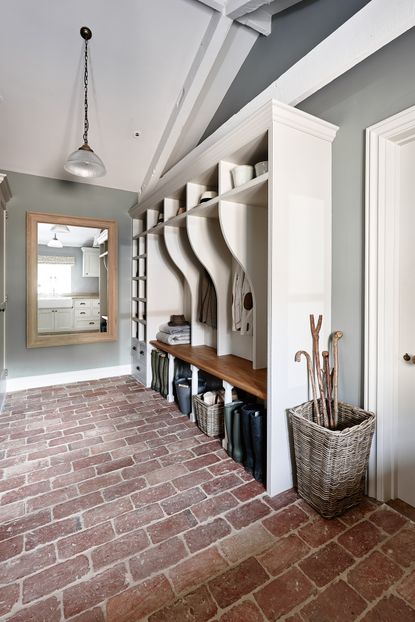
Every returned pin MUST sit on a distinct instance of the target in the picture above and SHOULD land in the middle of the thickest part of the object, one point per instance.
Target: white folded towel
(174, 330)
(172, 339)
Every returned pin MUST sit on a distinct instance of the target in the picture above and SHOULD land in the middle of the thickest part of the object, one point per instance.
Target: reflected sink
(56, 302)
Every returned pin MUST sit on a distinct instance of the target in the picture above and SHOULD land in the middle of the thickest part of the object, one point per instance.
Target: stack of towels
(174, 335)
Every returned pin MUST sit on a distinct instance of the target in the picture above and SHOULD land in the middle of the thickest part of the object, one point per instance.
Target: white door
(405, 430)
(45, 320)
(64, 319)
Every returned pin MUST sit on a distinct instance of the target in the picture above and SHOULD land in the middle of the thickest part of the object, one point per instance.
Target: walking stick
(326, 367)
(336, 338)
(312, 381)
(315, 330)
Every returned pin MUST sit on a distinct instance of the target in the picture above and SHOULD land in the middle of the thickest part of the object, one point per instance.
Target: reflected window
(53, 279)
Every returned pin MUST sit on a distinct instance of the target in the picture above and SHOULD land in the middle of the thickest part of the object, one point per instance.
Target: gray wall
(40, 194)
(80, 284)
(377, 88)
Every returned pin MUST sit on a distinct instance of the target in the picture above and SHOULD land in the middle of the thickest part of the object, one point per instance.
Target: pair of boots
(245, 432)
(160, 372)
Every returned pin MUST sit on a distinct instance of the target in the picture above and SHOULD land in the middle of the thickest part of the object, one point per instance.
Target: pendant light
(84, 162)
(60, 229)
(55, 243)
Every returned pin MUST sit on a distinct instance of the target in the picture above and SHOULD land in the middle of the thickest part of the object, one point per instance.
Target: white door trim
(383, 142)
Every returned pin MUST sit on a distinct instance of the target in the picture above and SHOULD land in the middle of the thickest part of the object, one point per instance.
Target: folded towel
(172, 339)
(174, 330)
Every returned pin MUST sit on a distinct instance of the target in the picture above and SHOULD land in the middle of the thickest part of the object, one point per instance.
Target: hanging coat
(207, 301)
(242, 303)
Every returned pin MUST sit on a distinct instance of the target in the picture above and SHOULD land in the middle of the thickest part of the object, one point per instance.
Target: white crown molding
(45, 380)
(383, 142)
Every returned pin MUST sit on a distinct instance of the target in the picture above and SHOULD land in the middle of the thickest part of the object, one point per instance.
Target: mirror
(71, 280)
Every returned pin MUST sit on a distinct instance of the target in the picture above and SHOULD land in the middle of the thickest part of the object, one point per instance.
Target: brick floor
(114, 507)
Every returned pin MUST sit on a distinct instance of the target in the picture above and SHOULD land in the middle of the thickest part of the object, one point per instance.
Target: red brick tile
(388, 520)
(18, 567)
(153, 494)
(148, 454)
(11, 548)
(12, 483)
(284, 593)
(171, 526)
(124, 488)
(286, 520)
(373, 575)
(138, 602)
(99, 482)
(140, 469)
(43, 474)
(283, 554)
(165, 474)
(201, 462)
(248, 491)
(11, 511)
(51, 499)
(221, 484)
(73, 477)
(407, 589)
(401, 547)
(203, 535)
(320, 531)
(337, 603)
(182, 500)
(326, 563)
(403, 508)
(24, 524)
(85, 539)
(209, 447)
(197, 570)
(224, 467)
(51, 532)
(137, 518)
(192, 479)
(91, 461)
(107, 511)
(214, 506)
(246, 611)
(86, 594)
(114, 465)
(93, 615)
(54, 578)
(247, 542)
(48, 610)
(390, 609)
(77, 505)
(119, 549)
(248, 513)
(9, 595)
(229, 587)
(361, 538)
(198, 605)
(354, 515)
(25, 491)
(157, 558)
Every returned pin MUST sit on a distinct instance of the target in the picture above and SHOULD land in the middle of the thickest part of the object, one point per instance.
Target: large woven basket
(331, 464)
(209, 418)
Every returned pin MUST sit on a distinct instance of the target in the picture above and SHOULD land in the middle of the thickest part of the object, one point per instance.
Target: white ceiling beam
(277, 6)
(238, 8)
(205, 59)
(217, 5)
(260, 20)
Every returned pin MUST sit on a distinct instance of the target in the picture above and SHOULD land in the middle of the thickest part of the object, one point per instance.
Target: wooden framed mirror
(72, 289)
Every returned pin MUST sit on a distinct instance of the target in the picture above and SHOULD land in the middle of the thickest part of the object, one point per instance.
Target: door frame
(381, 359)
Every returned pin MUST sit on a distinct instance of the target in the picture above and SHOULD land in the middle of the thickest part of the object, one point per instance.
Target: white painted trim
(381, 293)
(260, 20)
(46, 380)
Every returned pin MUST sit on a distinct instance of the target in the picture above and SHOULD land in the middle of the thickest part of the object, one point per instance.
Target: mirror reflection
(72, 277)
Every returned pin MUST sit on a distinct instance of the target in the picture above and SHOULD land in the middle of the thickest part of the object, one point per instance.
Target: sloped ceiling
(140, 53)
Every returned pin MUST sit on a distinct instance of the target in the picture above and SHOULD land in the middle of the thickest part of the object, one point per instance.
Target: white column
(170, 396)
(195, 387)
(228, 398)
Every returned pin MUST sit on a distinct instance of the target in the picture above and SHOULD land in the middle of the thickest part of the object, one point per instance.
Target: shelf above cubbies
(208, 209)
(176, 221)
(254, 192)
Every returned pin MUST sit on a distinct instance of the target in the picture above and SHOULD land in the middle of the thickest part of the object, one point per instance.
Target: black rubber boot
(157, 383)
(247, 411)
(259, 443)
(228, 420)
(237, 446)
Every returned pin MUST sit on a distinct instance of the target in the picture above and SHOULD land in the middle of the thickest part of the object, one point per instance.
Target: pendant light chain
(86, 122)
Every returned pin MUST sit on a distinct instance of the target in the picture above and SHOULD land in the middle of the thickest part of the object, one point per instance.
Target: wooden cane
(315, 330)
(327, 374)
(312, 381)
(336, 337)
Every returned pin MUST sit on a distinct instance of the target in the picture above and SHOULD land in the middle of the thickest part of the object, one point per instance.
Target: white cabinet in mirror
(71, 280)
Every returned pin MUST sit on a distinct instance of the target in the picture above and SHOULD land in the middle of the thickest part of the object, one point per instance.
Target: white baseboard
(46, 380)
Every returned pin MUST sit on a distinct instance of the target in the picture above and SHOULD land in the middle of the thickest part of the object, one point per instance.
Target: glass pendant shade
(60, 229)
(55, 243)
(85, 163)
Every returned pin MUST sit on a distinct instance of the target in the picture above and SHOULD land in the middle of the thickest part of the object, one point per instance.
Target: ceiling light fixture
(55, 243)
(84, 162)
(60, 229)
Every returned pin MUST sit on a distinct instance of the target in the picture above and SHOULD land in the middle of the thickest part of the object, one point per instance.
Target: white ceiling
(140, 52)
(77, 236)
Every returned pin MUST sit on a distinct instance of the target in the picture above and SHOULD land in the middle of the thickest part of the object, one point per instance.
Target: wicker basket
(209, 418)
(331, 464)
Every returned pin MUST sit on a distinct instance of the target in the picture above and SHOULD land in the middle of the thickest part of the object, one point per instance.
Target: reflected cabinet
(71, 280)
